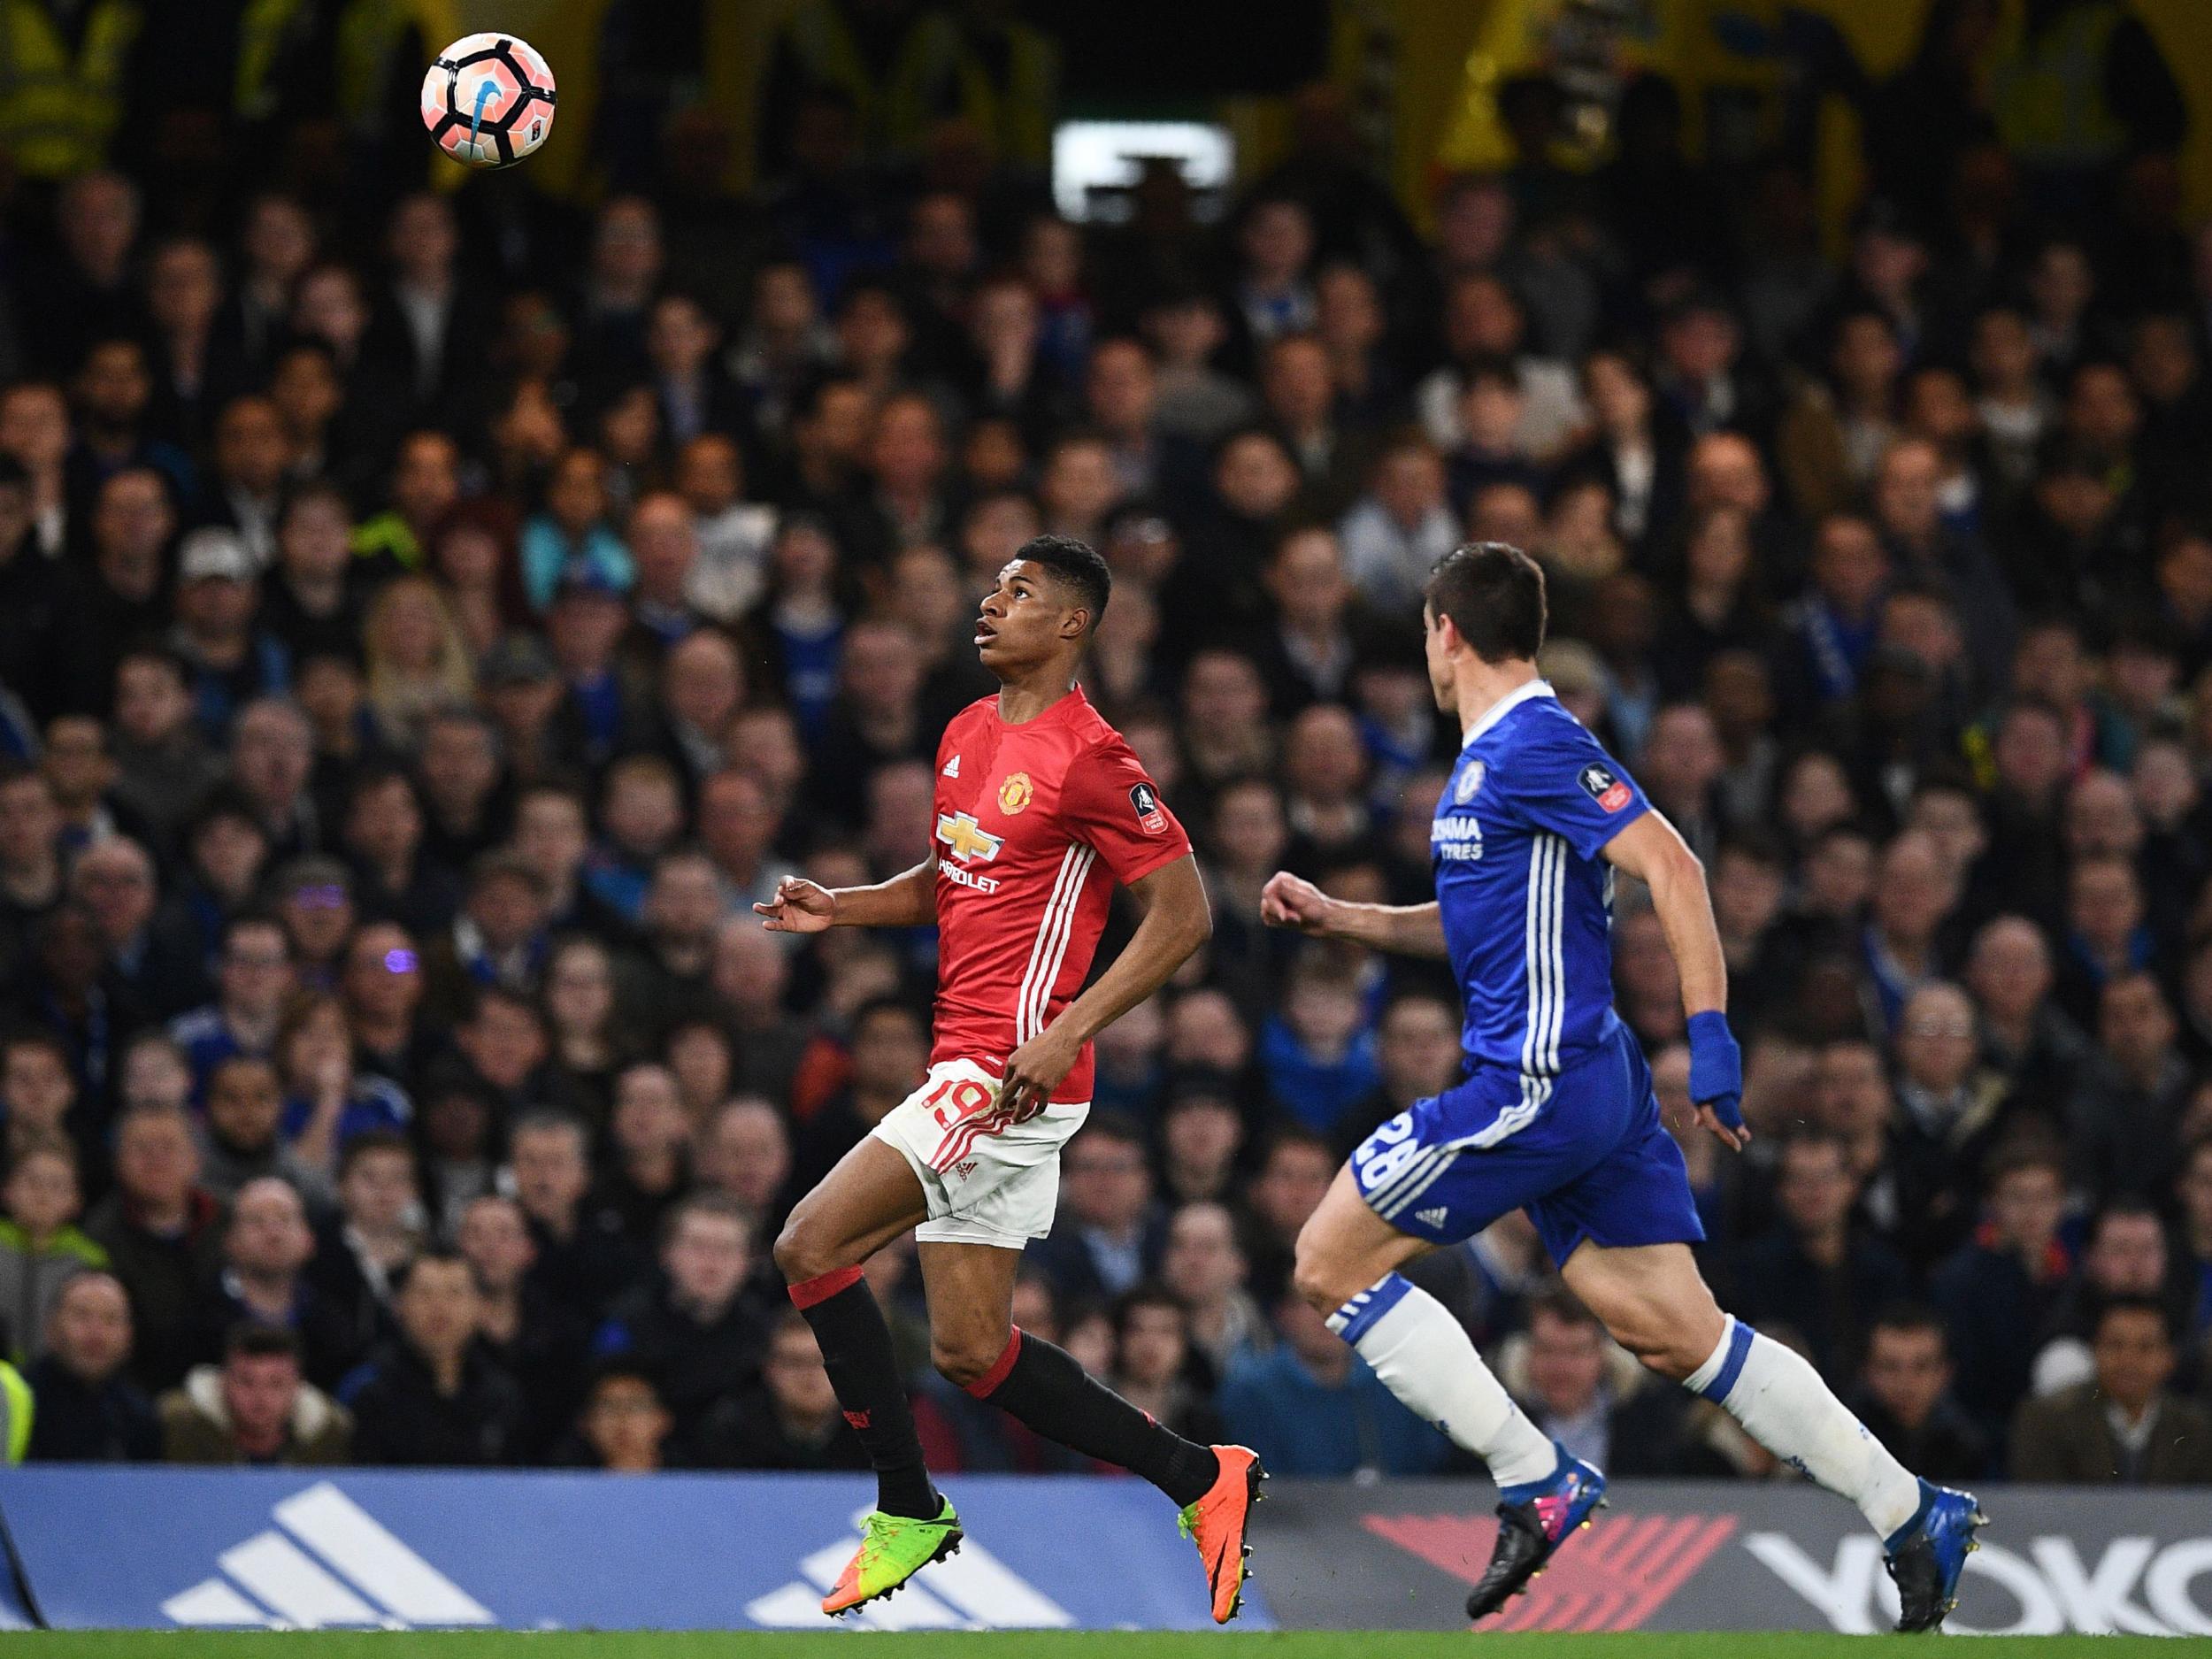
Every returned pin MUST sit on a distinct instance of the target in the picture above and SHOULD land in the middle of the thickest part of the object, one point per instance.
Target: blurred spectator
(240, 1142)
(791, 1421)
(1583, 1391)
(1818, 1273)
(1108, 1233)
(541, 1345)
(889, 1052)
(1293, 1171)
(1310, 1406)
(623, 1427)
(2126, 1255)
(87, 1410)
(1318, 1056)
(2125, 1117)
(360, 1252)
(266, 1246)
(430, 1395)
(40, 1247)
(1905, 1397)
(254, 1408)
(1201, 1136)
(583, 1258)
(1418, 1055)
(744, 1155)
(1151, 1364)
(1997, 1291)
(2121, 1426)
(254, 976)
(162, 1231)
(695, 1332)
(1203, 1265)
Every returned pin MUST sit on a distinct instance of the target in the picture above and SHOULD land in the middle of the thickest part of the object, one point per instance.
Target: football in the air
(489, 100)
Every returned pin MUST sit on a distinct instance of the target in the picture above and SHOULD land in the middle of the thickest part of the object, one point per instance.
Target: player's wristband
(1716, 1067)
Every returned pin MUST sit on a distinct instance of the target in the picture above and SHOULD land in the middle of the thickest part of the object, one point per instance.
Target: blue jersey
(1555, 1115)
(1526, 901)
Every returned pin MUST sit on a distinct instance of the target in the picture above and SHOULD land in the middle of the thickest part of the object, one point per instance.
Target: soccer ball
(489, 100)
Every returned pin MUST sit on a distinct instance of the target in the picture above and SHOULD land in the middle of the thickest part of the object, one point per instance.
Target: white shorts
(987, 1181)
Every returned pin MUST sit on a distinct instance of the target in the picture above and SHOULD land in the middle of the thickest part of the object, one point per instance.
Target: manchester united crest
(1013, 795)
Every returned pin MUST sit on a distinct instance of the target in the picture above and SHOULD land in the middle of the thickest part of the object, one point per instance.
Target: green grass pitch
(1020, 1645)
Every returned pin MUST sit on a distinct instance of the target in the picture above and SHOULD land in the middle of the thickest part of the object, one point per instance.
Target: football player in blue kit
(1556, 1114)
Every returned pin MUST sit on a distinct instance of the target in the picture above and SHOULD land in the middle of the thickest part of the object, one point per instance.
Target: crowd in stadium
(430, 619)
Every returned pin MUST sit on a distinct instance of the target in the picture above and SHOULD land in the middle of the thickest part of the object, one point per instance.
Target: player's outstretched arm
(1177, 920)
(1652, 851)
(907, 900)
(1404, 930)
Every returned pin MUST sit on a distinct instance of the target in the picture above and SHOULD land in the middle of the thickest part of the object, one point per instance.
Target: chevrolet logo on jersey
(968, 842)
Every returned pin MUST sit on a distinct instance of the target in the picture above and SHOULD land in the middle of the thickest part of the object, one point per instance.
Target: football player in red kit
(1042, 808)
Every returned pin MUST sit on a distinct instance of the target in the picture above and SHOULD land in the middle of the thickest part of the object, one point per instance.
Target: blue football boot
(1534, 1521)
(1926, 1555)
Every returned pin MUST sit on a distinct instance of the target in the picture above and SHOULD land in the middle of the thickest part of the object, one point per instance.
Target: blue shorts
(1583, 1153)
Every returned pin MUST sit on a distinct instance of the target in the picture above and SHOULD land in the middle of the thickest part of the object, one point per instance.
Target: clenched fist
(1290, 901)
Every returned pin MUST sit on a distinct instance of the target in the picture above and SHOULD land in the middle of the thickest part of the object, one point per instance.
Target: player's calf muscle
(1653, 1300)
(970, 1291)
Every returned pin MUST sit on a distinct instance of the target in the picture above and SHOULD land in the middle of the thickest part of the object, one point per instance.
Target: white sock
(1783, 1404)
(1426, 1359)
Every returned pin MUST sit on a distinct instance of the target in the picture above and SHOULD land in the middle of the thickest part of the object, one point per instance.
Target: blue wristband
(1716, 1067)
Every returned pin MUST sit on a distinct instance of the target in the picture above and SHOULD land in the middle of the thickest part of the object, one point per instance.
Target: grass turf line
(1013, 1645)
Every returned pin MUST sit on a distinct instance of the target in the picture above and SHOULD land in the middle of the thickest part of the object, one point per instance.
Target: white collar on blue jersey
(1504, 705)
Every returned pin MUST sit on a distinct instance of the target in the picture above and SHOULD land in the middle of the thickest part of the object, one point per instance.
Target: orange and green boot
(893, 1548)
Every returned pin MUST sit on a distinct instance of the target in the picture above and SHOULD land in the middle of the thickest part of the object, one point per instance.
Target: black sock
(857, 1352)
(1046, 1388)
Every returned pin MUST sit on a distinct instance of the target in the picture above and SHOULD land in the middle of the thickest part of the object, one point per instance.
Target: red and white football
(489, 100)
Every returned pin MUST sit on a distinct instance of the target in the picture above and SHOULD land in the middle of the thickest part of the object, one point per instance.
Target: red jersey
(1035, 825)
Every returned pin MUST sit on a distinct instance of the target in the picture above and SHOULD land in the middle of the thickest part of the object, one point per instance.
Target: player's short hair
(1495, 595)
(1078, 564)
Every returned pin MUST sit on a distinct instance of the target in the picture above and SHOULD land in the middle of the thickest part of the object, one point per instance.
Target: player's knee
(802, 1249)
(1319, 1279)
(964, 1358)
